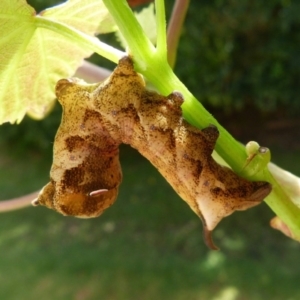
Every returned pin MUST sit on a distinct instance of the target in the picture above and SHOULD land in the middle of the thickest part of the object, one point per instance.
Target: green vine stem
(161, 44)
(80, 38)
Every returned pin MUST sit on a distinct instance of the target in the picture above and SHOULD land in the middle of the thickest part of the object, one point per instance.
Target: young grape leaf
(73, 11)
(33, 59)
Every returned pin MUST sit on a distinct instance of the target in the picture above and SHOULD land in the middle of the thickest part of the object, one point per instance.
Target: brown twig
(174, 28)
(17, 203)
(92, 73)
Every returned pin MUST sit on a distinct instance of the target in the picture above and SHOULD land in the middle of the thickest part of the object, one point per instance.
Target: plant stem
(80, 38)
(161, 43)
(174, 29)
(283, 207)
(17, 203)
(139, 44)
(91, 73)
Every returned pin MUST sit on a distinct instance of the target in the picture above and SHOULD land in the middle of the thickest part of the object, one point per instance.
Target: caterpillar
(86, 172)
(98, 118)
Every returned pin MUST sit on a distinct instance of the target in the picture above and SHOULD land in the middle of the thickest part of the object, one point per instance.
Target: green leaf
(29, 52)
(83, 15)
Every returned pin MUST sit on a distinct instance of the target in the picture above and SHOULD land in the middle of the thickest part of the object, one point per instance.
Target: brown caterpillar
(121, 110)
(86, 172)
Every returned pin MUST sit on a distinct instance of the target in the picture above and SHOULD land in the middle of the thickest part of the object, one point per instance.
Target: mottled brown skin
(86, 173)
(121, 110)
(153, 124)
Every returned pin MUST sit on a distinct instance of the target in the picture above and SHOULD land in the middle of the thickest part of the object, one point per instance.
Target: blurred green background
(239, 58)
